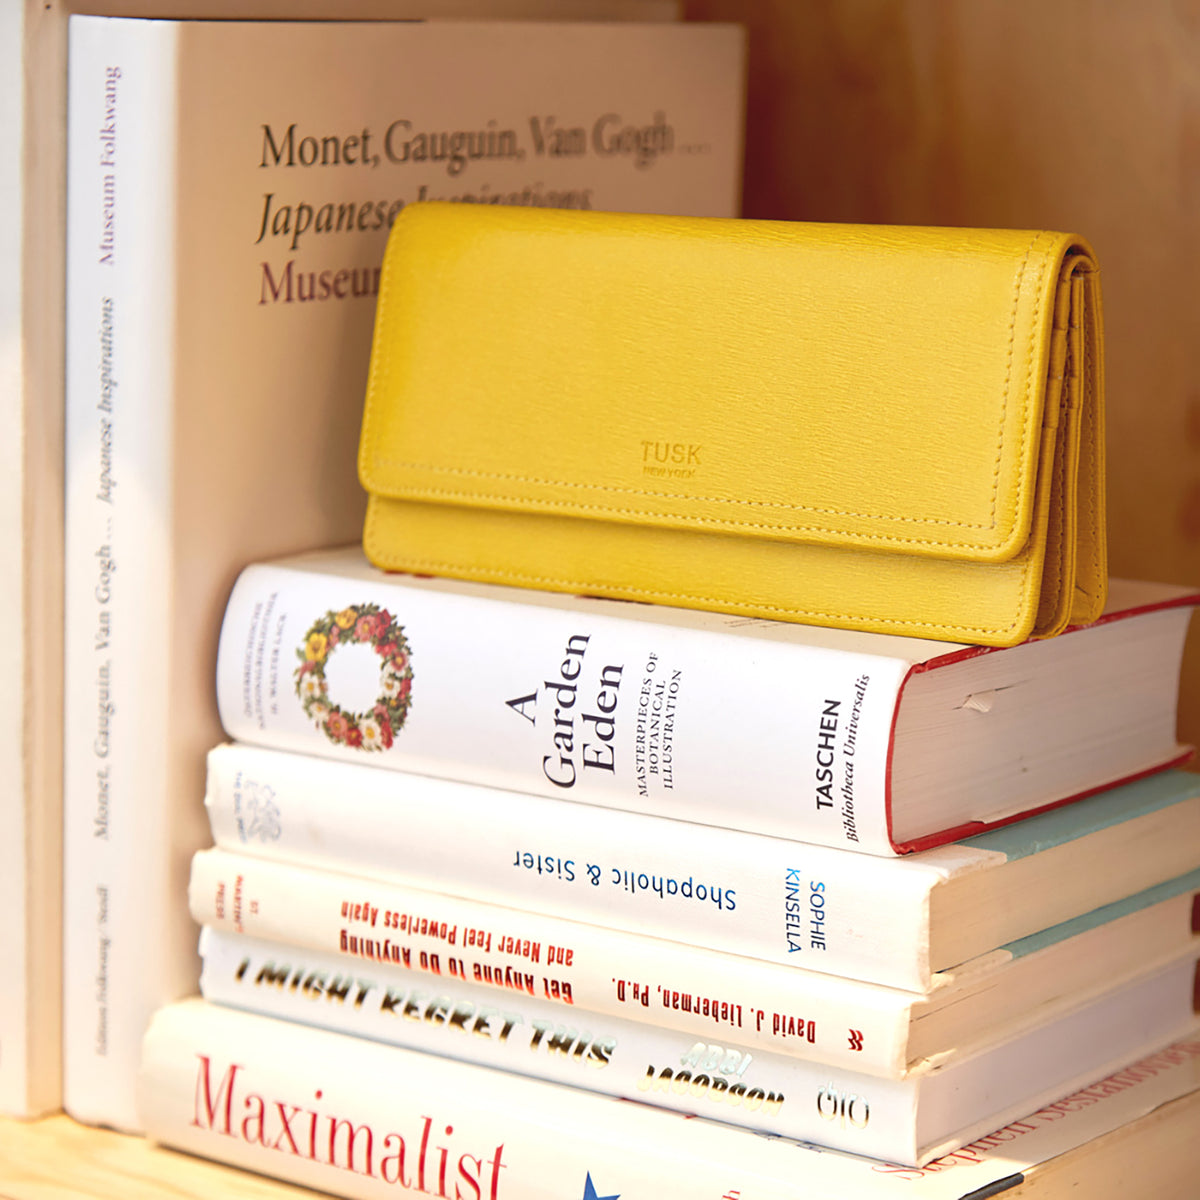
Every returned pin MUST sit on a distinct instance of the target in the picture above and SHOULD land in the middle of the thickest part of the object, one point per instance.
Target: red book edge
(973, 828)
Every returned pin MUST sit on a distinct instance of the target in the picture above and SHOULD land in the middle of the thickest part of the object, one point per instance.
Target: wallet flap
(846, 386)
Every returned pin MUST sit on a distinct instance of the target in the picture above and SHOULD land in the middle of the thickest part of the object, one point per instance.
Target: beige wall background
(1081, 115)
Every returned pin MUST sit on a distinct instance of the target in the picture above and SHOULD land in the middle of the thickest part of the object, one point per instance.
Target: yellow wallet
(882, 428)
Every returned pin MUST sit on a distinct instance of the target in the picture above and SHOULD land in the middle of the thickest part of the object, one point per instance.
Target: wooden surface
(1078, 115)
(56, 1159)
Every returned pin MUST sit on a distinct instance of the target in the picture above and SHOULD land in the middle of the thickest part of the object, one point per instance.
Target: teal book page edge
(1081, 817)
(1109, 912)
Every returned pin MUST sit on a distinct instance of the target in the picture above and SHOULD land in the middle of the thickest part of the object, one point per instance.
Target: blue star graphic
(589, 1191)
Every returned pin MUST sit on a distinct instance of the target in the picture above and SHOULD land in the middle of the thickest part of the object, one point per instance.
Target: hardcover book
(323, 1109)
(908, 1121)
(860, 741)
(33, 40)
(231, 187)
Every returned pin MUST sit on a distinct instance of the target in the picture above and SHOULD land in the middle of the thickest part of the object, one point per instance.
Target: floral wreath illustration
(363, 625)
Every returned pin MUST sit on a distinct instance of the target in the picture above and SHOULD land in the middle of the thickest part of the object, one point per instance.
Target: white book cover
(324, 1110)
(810, 908)
(33, 54)
(231, 186)
(589, 968)
(826, 736)
(908, 1121)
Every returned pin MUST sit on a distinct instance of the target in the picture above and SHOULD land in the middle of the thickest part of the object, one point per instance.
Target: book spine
(121, 247)
(747, 894)
(30, 714)
(696, 716)
(576, 968)
(358, 1119)
(770, 1093)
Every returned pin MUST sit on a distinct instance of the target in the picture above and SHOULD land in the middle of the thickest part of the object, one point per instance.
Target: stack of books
(877, 894)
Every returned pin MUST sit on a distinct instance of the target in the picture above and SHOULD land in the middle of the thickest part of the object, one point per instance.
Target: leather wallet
(895, 429)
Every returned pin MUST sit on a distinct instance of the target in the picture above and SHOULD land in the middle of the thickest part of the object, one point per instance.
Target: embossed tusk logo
(671, 460)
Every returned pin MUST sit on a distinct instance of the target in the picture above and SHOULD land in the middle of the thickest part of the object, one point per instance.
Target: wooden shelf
(57, 1159)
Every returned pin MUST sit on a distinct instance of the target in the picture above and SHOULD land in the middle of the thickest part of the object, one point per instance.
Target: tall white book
(33, 41)
(231, 189)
